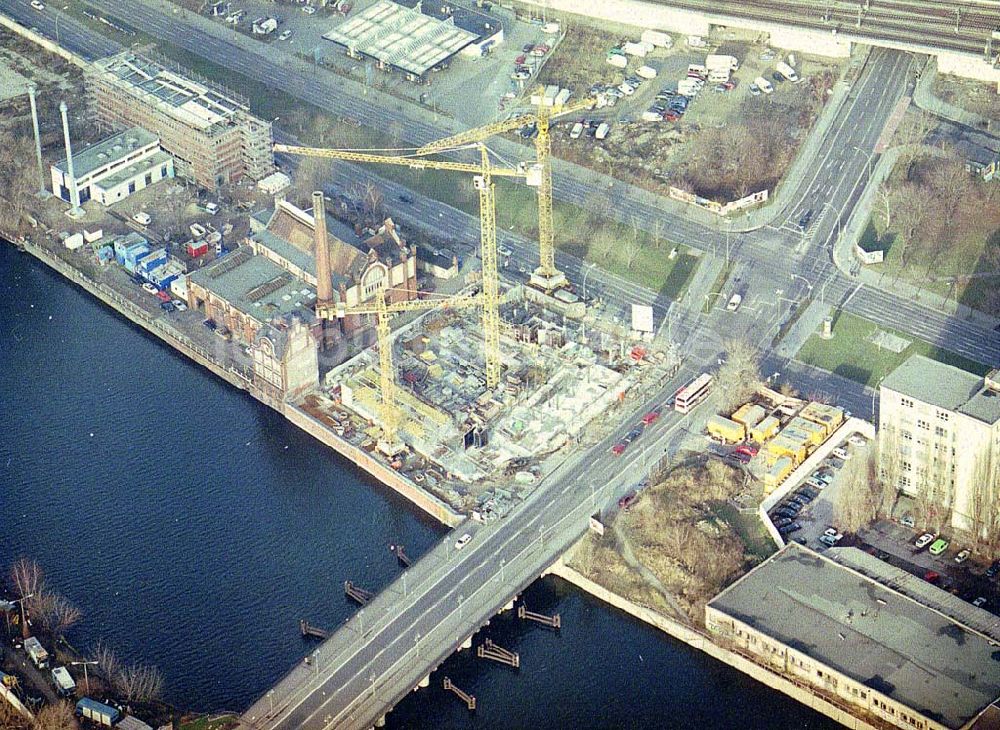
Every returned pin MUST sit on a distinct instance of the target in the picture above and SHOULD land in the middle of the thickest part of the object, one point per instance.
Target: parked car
(907, 521)
(938, 547)
(37, 5)
(210, 323)
(924, 540)
(789, 529)
(754, 90)
(979, 602)
(463, 541)
(179, 305)
(831, 539)
(149, 288)
(993, 570)
(782, 521)
(748, 449)
(932, 576)
(858, 440)
(142, 219)
(841, 453)
(962, 556)
(285, 34)
(803, 224)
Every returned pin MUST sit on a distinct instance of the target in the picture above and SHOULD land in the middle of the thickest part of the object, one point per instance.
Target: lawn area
(851, 354)
(748, 527)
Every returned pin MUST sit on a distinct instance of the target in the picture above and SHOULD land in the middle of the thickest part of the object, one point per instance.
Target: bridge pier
(467, 644)
(425, 682)
(508, 607)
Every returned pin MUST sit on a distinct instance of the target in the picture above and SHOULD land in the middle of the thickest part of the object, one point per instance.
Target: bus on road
(693, 393)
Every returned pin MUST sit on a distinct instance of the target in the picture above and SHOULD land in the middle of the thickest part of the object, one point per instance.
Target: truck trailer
(98, 712)
(61, 678)
(717, 61)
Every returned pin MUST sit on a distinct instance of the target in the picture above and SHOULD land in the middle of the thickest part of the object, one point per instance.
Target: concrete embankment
(704, 642)
(436, 508)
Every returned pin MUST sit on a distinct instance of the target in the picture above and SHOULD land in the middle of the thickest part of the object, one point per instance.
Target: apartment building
(939, 432)
(212, 137)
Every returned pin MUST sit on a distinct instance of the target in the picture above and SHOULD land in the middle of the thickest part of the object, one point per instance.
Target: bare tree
(885, 197)
(56, 717)
(859, 496)
(18, 180)
(56, 612)
(739, 375)
(371, 198)
(108, 662)
(139, 683)
(28, 579)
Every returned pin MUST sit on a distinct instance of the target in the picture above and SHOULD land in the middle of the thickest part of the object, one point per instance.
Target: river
(194, 527)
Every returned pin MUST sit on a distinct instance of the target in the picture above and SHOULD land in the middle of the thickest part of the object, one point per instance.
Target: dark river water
(194, 527)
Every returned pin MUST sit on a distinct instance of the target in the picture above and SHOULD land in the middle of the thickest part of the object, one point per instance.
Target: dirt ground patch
(677, 532)
(974, 96)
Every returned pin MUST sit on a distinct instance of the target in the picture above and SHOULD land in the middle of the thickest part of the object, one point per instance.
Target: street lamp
(808, 283)
(869, 155)
(839, 228)
(24, 618)
(86, 678)
(590, 267)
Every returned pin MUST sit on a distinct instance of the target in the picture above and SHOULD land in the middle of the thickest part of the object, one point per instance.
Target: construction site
(475, 395)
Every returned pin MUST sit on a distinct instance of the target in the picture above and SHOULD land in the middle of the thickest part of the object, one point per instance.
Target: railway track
(931, 23)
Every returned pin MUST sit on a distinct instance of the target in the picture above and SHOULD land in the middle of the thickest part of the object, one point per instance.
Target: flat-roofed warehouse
(920, 659)
(213, 137)
(414, 40)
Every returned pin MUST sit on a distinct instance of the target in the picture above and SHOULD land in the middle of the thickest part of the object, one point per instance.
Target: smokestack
(74, 194)
(42, 188)
(324, 283)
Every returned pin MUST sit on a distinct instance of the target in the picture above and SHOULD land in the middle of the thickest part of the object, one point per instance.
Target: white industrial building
(113, 169)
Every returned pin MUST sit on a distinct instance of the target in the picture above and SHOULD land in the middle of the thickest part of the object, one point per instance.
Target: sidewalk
(924, 98)
(844, 259)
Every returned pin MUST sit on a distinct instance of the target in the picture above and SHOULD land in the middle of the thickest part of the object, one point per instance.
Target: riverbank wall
(436, 508)
(704, 642)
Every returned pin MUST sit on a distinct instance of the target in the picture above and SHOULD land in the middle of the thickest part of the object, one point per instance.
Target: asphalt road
(772, 254)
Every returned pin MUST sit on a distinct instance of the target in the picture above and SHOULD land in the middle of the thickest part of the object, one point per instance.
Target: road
(415, 623)
(770, 255)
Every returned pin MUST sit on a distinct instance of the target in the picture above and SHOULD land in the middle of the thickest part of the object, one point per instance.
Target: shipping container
(725, 430)
(765, 429)
(749, 414)
(830, 417)
(815, 432)
(97, 712)
(196, 248)
(657, 38)
(777, 473)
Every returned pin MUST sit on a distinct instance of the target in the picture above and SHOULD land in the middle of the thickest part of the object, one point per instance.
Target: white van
(576, 131)
(602, 130)
(763, 84)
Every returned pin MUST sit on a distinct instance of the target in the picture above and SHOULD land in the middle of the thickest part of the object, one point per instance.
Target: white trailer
(646, 72)
(602, 130)
(61, 678)
(657, 38)
(718, 75)
(714, 61)
(617, 60)
(635, 49)
(562, 97)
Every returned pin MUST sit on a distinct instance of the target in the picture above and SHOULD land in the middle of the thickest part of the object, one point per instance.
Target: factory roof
(127, 173)
(191, 102)
(254, 285)
(853, 623)
(946, 387)
(401, 36)
(108, 152)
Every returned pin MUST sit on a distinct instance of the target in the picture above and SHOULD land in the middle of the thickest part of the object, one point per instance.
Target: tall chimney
(42, 186)
(74, 194)
(324, 281)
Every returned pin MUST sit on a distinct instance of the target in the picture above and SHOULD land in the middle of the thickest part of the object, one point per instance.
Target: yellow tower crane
(490, 298)
(546, 277)
(389, 415)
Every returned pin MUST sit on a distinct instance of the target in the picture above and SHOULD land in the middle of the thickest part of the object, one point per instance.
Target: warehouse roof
(402, 37)
(108, 152)
(191, 102)
(945, 386)
(870, 632)
(254, 285)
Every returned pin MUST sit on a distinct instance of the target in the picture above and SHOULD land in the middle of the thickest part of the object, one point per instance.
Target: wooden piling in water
(312, 631)
(401, 556)
(489, 650)
(357, 593)
(468, 699)
(553, 622)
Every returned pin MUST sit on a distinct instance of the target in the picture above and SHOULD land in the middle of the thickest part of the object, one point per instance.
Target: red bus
(693, 393)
